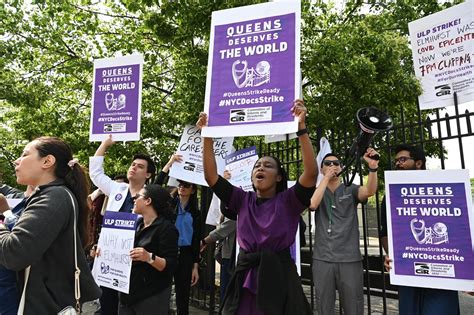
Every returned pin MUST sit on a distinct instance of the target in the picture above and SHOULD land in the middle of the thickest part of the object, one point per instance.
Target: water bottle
(10, 219)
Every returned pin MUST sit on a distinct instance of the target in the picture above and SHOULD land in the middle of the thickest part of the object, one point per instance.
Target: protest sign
(190, 147)
(430, 228)
(116, 98)
(295, 248)
(13, 202)
(240, 165)
(113, 267)
(213, 216)
(253, 70)
(278, 138)
(443, 55)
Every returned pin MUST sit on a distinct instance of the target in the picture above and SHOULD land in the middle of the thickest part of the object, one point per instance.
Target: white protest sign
(214, 213)
(12, 202)
(278, 138)
(190, 147)
(240, 165)
(443, 55)
(113, 267)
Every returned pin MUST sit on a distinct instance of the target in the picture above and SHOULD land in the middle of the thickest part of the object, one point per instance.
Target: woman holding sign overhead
(154, 254)
(265, 280)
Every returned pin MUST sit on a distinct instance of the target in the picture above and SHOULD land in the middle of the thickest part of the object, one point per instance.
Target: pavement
(466, 305)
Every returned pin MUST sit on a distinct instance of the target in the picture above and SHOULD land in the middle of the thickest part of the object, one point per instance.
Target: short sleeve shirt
(338, 241)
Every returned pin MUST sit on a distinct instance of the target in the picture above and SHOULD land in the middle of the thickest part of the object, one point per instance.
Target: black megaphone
(371, 120)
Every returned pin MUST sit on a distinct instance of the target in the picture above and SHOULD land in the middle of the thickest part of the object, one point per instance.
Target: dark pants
(109, 301)
(9, 295)
(9, 300)
(424, 301)
(182, 279)
(157, 304)
(225, 276)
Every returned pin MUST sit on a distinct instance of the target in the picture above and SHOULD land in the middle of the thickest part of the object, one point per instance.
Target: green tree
(350, 59)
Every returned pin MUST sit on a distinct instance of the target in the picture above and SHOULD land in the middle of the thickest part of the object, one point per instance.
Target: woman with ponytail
(42, 240)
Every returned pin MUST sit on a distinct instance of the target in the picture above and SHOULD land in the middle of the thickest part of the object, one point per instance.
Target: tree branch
(147, 84)
(102, 13)
(69, 49)
(40, 71)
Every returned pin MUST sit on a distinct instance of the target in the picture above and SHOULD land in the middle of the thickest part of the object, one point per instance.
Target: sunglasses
(185, 185)
(332, 162)
(402, 159)
(137, 196)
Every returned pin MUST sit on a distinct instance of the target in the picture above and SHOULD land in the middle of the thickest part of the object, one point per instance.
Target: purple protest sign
(120, 220)
(253, 70)
(116, 98)
(430, 230)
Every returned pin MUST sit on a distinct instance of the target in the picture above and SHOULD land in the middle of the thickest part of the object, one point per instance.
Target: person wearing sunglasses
(187, 221)
(154, 255)
(414, 300)
(265, 280)
(337, 262)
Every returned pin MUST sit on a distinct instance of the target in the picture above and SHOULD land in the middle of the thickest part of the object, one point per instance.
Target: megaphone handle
(346, 166)
(375, 157)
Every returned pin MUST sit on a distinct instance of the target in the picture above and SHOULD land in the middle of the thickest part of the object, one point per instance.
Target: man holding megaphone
(337, 262)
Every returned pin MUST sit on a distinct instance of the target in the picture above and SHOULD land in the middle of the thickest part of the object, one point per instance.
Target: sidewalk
(466, 304)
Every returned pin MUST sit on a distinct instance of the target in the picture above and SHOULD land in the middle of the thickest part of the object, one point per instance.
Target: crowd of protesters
(53, 231)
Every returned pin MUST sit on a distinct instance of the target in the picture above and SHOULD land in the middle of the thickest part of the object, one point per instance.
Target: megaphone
(371, 120)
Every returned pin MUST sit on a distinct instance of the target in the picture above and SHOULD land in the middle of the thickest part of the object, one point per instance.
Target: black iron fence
(430, 131)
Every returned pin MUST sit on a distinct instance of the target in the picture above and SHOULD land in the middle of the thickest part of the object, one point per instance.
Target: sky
(452, 146)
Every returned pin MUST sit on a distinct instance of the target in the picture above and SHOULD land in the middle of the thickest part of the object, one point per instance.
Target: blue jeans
(424, 301)
(9, 295)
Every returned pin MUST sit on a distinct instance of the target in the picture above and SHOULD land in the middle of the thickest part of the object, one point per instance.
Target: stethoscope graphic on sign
(115, 103)
(245, 77)
(437, 234)
(238, 74)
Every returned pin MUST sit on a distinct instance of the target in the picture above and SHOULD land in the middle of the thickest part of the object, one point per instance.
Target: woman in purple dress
(265, 280)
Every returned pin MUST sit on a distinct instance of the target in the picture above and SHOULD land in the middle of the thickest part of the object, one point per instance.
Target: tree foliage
(351, 58)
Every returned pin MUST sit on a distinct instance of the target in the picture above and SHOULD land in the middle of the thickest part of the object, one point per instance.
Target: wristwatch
(152, 258)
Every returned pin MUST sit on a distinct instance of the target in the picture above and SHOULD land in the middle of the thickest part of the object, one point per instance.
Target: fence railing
(428, 131)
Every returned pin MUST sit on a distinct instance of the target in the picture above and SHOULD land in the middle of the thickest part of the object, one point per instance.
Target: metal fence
(430, 132)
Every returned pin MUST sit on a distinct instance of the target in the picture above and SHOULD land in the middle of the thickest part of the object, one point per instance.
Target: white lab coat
(117, 192)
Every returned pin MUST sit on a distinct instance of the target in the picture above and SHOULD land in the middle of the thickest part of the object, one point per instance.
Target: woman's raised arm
(208, 156)
(310, 171)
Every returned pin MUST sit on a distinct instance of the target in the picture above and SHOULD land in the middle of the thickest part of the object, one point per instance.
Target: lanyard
(329, 209)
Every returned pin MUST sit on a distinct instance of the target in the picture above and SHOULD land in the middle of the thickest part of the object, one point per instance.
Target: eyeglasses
(185, 185)
(332, 162)
(137, 196)
(402, 159)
